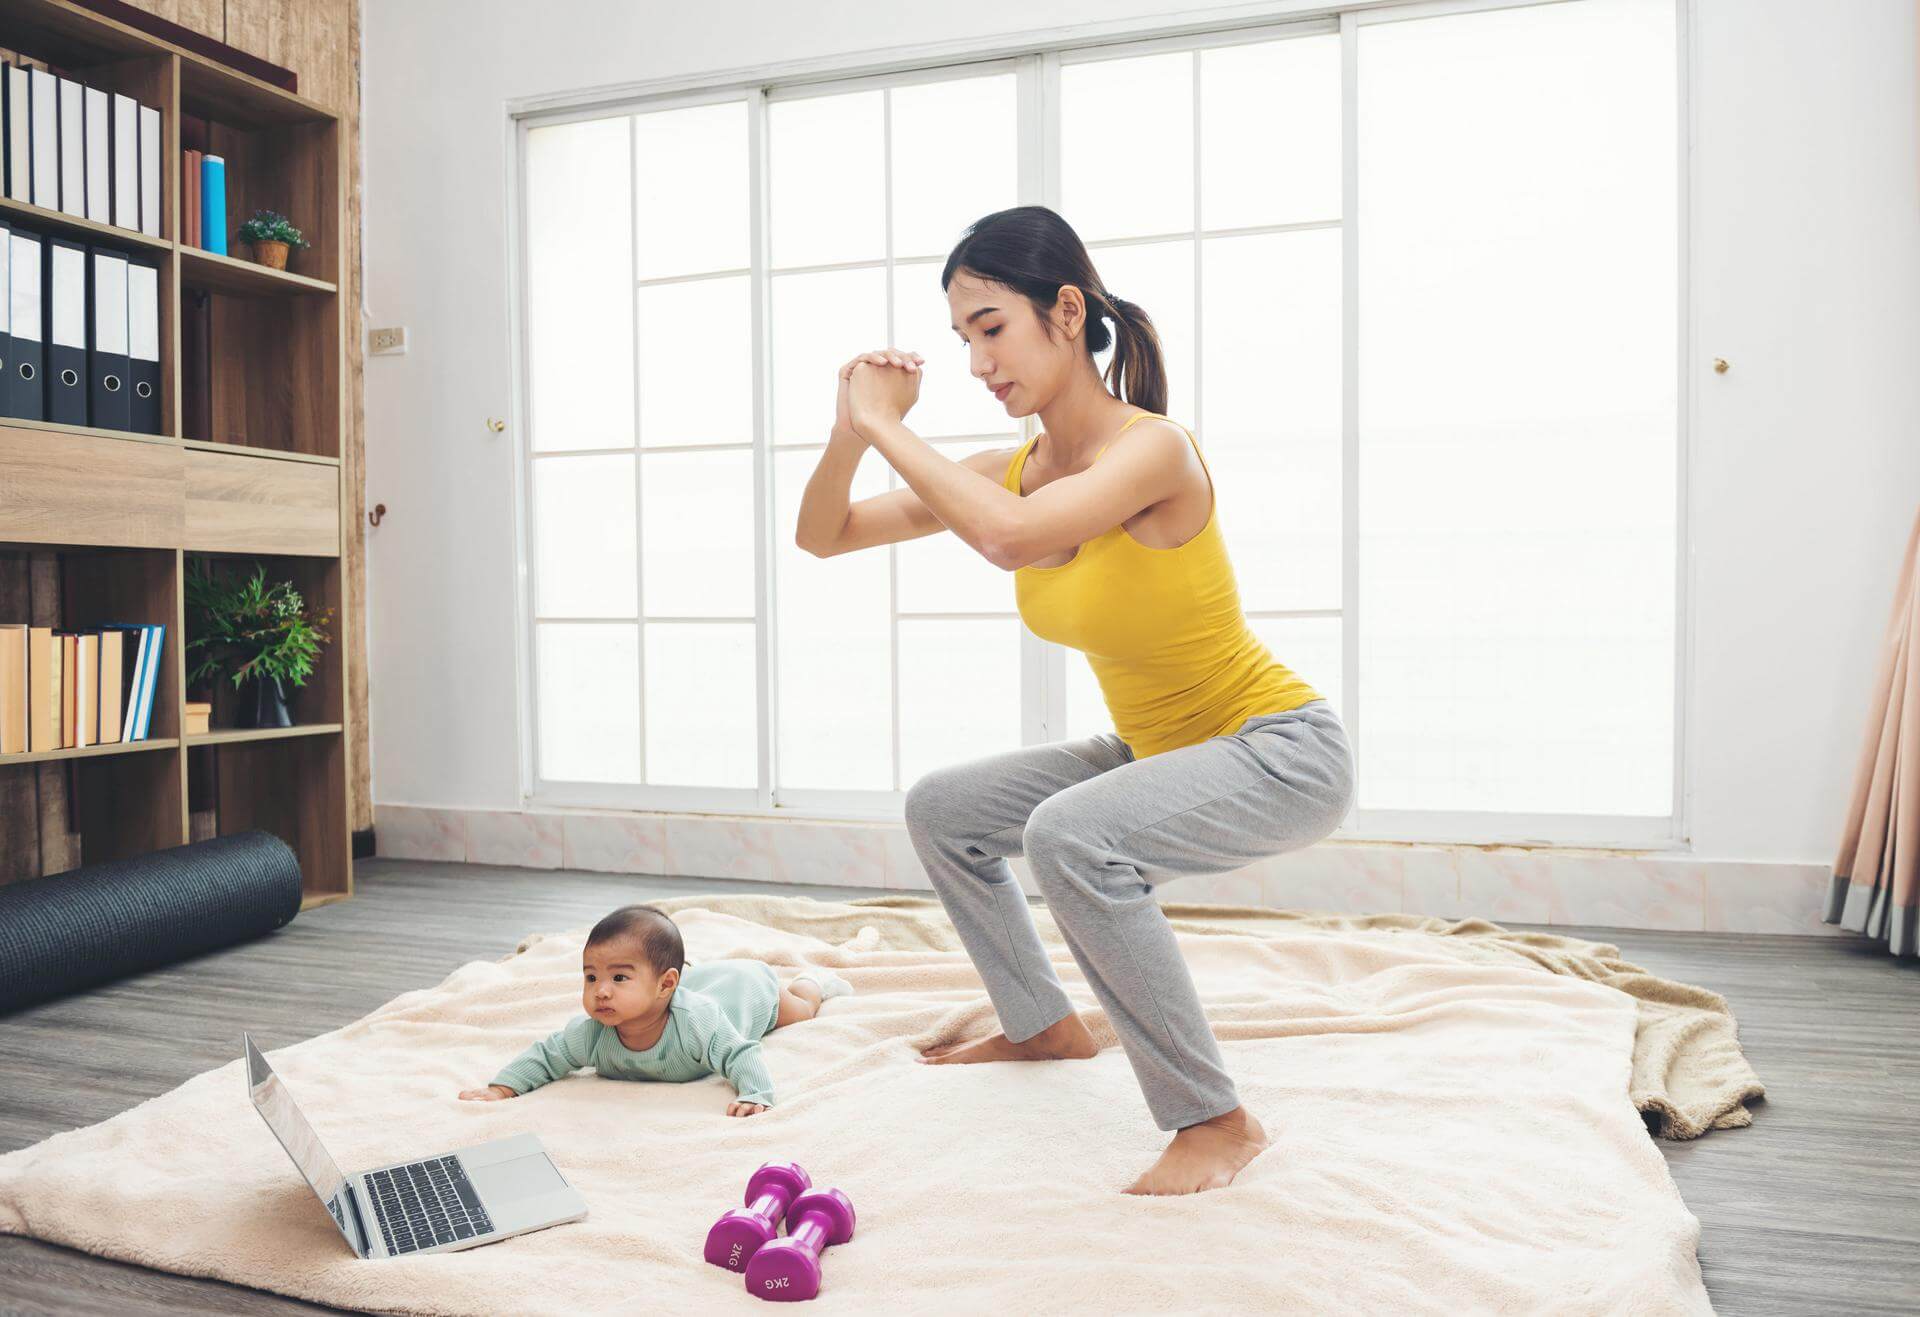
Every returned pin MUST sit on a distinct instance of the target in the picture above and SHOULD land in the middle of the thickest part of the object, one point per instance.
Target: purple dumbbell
(789, 1268)
(739, 1234)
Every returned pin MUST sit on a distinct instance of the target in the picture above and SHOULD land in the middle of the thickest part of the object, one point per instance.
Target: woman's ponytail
(1138, 362)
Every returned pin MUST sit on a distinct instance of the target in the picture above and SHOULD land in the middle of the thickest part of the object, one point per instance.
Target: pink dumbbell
(739, 1234)
(789, 1268)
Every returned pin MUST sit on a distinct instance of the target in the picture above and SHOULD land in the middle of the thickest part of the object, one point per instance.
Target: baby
(650, 1015)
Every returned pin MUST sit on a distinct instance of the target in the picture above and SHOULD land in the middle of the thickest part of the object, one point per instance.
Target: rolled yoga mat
(104, 921)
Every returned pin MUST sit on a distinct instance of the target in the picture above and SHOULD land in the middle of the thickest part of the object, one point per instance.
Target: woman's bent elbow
(819, 549)
(1001, 546)
(999, 553)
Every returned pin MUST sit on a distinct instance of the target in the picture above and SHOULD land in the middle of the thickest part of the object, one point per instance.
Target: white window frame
(1036, 59)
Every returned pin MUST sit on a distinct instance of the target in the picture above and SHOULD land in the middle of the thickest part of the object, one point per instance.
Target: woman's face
(1008, 347)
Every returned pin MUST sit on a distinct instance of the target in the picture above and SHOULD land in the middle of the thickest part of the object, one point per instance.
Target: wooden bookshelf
(98, 525)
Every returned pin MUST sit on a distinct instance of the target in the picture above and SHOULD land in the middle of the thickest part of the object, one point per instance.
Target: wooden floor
(1814, 1209)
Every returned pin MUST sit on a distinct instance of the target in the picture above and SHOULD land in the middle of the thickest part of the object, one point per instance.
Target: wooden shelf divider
(223, 274)
(91, 751)
(63, 225)
(224, 734)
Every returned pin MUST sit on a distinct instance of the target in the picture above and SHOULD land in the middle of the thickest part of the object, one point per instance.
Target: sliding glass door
(1417, 272)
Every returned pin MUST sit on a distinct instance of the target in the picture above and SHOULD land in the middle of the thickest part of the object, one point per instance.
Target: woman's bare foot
(1205, 1156)
(1068, 1039)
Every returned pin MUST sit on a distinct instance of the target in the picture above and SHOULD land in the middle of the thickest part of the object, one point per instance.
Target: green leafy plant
(271, 226)
(246, 628)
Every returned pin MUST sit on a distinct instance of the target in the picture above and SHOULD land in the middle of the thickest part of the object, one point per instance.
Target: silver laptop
(456, 1200)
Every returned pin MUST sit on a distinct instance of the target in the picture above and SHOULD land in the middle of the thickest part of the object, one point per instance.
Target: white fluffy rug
(1449, 1136)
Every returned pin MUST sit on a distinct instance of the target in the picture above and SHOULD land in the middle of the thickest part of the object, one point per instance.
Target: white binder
(24, 308)
(143, 312)
(149, 171)
(73, 150)
(65, 367)
(46, 139)
(67, 283)
(143, 347)
(19, 135)
(6, 313)
(99, 159)
(25, 392)
(108, 398)
(126, 162)
(109, 303)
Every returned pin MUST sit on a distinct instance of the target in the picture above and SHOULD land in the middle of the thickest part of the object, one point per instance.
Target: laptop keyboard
(427, 1203)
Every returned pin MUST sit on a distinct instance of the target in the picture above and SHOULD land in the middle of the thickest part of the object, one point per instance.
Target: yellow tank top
(1161, 628)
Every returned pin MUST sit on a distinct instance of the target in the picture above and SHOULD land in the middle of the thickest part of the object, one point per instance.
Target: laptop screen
(276, 1106)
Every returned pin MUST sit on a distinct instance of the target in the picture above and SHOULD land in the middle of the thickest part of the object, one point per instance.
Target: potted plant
(271, 234)
(255, 634)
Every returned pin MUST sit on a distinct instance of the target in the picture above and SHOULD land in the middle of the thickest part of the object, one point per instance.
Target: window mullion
(1199, 324)
(1351, 711)
(1041, 142)
(639, 538)
(767, 662)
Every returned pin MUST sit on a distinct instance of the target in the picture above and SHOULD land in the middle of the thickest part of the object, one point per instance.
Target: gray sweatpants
(1100, 829)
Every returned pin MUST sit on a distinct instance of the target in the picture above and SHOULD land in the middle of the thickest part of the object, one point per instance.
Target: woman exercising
(1219, 755)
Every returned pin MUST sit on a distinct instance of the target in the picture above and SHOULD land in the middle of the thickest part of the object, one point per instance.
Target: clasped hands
(875, 388)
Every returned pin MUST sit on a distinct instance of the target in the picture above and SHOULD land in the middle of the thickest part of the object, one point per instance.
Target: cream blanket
(1454, 1131)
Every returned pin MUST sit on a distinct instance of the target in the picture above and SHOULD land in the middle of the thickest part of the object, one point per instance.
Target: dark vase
(265, 701)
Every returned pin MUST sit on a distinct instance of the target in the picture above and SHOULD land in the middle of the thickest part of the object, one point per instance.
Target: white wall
(1806, 454)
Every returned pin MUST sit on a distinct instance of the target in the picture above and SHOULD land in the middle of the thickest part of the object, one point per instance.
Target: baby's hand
(491, 1093)
(744, 1108)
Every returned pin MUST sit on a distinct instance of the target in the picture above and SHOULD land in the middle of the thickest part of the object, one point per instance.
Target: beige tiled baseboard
(1609, 889)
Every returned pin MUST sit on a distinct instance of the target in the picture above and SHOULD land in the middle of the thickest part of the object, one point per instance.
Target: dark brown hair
(1033, 251)
(658, 935)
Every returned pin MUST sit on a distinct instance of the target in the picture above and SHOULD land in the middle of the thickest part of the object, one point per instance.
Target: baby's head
(631, 965)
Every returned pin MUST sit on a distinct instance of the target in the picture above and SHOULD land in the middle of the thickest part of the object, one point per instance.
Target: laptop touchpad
(523, 1177)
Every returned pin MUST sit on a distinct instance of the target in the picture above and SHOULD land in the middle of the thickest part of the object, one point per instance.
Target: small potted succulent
(254, 633)
(271, 234)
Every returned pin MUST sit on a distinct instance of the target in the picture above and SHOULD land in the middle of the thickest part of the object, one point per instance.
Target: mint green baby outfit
(715, 1020)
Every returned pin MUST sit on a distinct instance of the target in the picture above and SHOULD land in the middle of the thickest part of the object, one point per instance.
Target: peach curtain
(1874, 876)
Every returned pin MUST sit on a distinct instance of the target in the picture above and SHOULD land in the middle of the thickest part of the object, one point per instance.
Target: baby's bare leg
(799, 1000)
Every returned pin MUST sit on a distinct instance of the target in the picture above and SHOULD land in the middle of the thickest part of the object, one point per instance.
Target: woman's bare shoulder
(1154, 423)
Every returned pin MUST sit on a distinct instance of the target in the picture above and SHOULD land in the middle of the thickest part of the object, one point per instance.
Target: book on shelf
(13, 688)
(144, 643)
(79, 688)
(203, 187)
(63, 688)
(190, 197)
(213, 204)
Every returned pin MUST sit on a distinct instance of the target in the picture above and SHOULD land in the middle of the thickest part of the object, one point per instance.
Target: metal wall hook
(379, 511)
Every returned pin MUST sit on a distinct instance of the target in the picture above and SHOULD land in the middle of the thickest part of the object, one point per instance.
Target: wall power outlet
(383, 341)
